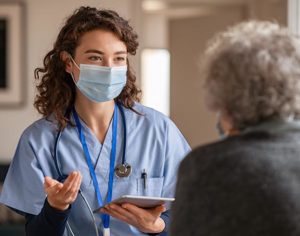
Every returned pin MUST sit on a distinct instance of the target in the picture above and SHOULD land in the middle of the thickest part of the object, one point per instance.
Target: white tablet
(141, 201)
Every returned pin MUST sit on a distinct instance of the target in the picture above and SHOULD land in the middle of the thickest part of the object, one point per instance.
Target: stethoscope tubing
(125, 132)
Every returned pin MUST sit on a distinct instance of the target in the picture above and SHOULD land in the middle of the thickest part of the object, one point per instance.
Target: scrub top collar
(275, 126)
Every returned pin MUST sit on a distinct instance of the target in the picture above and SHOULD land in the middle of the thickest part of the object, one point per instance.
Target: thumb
(158, 210)
(49, 182)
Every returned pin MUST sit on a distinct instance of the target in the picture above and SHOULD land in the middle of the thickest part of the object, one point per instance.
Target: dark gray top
(245, 185)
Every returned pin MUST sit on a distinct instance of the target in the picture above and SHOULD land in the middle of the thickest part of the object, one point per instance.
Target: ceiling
(183, 8)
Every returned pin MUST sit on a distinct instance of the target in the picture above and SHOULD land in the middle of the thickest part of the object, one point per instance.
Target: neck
(97, 116)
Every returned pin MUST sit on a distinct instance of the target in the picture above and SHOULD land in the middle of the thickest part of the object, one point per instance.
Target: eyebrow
(102, 53)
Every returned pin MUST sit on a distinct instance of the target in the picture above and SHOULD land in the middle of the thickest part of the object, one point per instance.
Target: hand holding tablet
(141, 201)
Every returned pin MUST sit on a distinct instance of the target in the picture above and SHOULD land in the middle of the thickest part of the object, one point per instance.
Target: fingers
(54, 189)
(52, 186)
(72, 183)
(156, 211)
(118, 212)
(49, 182)
(72, 192)
(133, 209)
(146, 220)
(60, 195)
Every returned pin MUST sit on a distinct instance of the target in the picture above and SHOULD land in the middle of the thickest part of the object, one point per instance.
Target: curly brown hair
(56, 91)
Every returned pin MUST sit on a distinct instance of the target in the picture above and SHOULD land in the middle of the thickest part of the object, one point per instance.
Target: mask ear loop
(219, 127)
(71, 73)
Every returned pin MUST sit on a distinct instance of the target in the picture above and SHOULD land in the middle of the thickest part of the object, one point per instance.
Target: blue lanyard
(105, 217)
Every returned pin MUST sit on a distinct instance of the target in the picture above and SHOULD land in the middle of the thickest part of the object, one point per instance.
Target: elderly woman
(248, 183)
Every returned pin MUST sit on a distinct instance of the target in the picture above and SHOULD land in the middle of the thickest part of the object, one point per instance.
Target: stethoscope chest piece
(123, 170)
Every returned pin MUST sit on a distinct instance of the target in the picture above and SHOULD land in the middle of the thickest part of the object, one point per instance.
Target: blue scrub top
(154, 143)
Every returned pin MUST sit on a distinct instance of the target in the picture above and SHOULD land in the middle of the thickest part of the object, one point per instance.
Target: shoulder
(252, 153)
(220, 155)
(149, 117)
(230, 147)
(40, 129)
(150, 113)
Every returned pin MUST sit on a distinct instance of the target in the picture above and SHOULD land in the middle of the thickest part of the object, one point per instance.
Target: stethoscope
(121, 170)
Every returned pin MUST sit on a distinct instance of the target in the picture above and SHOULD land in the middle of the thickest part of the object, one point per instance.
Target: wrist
(58, 207)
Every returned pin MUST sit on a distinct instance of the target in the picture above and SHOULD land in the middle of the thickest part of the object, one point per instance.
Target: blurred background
(172, 36)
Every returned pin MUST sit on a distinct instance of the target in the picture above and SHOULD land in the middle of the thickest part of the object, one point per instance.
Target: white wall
(43, 20)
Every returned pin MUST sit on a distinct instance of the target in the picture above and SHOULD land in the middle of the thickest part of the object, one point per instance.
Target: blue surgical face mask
(219, 127)
(101, 83)
(220, 131)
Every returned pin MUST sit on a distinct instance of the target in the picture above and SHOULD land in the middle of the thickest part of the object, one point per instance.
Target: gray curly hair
(252, 73)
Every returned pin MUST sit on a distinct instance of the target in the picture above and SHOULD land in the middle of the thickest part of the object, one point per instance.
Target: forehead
(101, 40)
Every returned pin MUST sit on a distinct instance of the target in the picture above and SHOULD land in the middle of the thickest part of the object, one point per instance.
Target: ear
(65, 57)
(228, 124)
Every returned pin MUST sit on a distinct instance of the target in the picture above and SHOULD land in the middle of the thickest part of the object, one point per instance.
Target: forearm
(50, 222)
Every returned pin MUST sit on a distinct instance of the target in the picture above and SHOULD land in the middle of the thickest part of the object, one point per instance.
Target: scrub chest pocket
(136, 186)
(128, 186)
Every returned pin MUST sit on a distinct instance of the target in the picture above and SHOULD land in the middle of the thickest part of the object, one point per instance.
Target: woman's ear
(228, 125)
(66, 58)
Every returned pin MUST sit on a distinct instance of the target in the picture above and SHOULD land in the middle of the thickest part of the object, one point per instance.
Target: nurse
(95, 142)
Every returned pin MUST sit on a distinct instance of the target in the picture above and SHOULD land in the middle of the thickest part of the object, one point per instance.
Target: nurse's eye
(95, 58)
(120, 59)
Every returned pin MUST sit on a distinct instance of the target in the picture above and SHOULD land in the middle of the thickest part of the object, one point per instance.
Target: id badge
(106, 232)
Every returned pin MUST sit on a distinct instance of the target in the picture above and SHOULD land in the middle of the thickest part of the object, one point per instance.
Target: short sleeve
(176, 149)
(23, 186)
